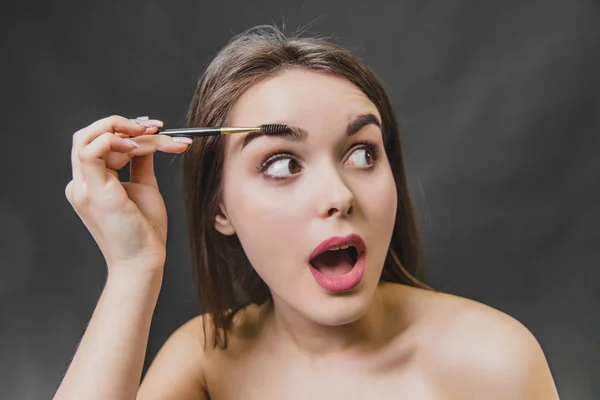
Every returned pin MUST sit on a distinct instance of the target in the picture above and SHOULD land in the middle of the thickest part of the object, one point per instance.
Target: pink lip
(345, 282)
(351, 240)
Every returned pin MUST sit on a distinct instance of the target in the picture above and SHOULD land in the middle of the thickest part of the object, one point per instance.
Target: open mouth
(336, 262)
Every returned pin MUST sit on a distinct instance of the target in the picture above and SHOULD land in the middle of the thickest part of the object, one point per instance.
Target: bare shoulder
(177, 370)
(477, 351)
(181, 368)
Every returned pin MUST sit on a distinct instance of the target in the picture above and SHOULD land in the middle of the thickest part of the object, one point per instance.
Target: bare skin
(440, 347)
(384, 341)
(379, 341)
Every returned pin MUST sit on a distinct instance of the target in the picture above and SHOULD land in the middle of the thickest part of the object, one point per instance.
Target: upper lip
(351, 240)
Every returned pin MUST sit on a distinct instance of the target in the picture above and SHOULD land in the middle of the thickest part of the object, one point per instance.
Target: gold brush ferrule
(227, 131)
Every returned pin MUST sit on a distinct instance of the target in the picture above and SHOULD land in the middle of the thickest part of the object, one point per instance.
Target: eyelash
(275, 156)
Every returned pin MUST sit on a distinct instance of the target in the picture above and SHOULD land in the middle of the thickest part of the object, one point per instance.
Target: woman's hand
(128, 220)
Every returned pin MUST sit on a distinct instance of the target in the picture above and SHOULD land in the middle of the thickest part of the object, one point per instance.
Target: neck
(366, 334)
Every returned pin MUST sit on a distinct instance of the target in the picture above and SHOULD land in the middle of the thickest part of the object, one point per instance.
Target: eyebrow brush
(266, 129)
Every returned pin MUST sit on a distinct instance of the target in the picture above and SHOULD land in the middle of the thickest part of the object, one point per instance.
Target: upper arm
(491, 355)
(177, 370)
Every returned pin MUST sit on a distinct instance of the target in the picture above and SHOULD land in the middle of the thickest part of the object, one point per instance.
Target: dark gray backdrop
(500, 105)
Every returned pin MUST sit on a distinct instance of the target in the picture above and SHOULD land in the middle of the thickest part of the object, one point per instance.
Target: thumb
(141, 170)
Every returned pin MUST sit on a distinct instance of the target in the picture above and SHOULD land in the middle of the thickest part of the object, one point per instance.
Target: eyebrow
(296, 134)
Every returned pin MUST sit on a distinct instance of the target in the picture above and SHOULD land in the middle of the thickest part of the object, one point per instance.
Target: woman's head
(259, 207)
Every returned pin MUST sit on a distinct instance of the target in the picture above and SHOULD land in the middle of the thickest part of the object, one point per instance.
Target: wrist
(135, 277)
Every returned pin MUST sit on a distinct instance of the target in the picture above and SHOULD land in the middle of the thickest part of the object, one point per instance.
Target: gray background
(500, 105)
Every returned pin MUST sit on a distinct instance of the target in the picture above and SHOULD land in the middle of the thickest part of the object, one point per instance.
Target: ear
(222, 222)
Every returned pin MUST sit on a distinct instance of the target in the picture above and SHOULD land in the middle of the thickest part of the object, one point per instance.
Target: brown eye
(281, 168)
(362, 157)
(293, 166)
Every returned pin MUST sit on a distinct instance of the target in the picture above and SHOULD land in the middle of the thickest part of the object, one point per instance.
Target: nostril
(332, 211)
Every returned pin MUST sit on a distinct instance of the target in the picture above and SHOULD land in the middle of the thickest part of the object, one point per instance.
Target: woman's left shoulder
(482, 352)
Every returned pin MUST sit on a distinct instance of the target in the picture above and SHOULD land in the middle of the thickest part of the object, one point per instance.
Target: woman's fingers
(122, 125)
(142, 164)
(107, 145)
(92, 158)
(142, 170)
(114, 123)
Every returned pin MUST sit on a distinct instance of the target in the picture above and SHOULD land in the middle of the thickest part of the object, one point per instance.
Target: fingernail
(144, 117)
(131, 142)
(141, 122)
(156, 122)
(181, 139)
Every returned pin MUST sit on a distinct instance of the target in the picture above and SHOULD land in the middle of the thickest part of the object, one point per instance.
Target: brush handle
(190, 132)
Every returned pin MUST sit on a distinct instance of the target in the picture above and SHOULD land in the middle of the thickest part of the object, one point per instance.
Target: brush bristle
(274, 129)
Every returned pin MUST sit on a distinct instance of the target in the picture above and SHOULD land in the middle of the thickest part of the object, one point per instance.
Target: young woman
(305, 248)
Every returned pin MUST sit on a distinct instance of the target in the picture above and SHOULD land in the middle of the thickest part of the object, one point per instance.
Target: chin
(336, 309)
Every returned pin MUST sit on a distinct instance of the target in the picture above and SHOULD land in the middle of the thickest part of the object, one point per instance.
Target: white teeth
(339, 248)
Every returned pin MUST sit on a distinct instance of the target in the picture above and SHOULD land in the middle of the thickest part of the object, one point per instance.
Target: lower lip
(341, 283)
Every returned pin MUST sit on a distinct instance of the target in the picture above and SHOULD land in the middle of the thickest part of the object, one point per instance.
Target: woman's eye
(362, 157)
(284, 165)
(282, 168)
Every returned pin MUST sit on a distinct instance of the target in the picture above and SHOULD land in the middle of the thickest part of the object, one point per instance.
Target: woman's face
(284, 197)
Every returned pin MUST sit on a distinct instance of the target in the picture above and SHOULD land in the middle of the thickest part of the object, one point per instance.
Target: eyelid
(364, 144)
(272, 157)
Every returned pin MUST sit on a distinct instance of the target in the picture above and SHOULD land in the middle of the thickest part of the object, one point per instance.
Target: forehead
(308, 99)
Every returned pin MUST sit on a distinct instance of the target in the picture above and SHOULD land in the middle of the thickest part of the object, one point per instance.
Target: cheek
(267, 223)
(379, 202)
(379, 205)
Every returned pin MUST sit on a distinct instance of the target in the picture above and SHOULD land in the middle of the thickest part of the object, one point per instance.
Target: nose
(337, 200)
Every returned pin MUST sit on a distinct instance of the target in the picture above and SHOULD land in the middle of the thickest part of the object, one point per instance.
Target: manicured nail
(133, 143)
(144, 117)
(181, 139)
(141, 122)
(156, 122)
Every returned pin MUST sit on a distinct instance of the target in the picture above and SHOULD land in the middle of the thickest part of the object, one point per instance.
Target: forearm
(109, 360)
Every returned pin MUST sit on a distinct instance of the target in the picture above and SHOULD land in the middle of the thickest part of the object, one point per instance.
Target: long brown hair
(225, 279)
